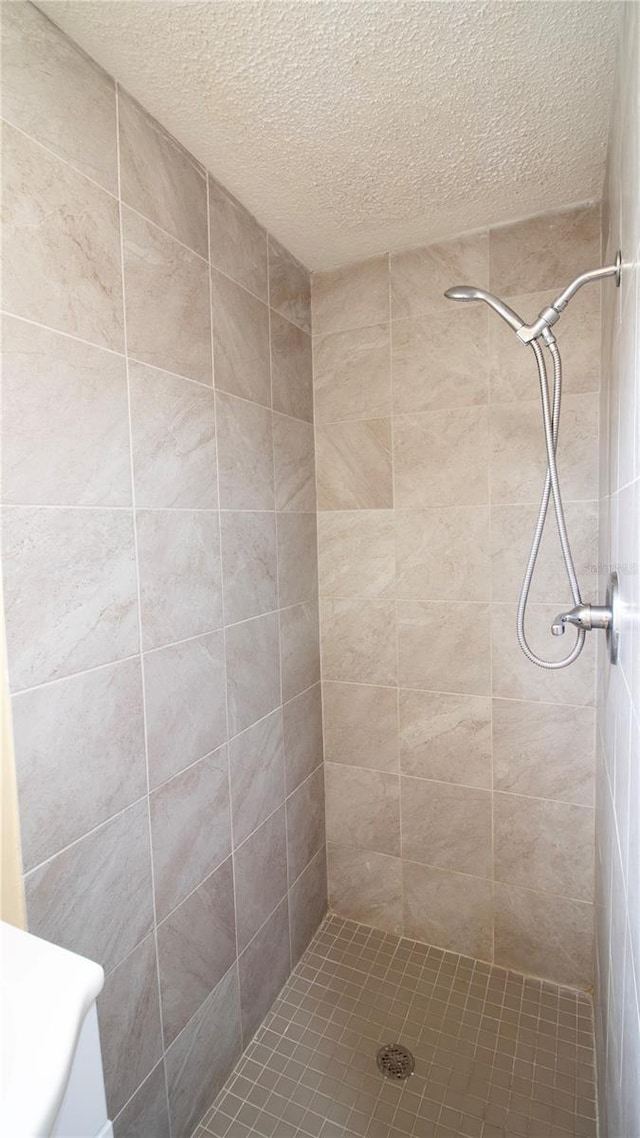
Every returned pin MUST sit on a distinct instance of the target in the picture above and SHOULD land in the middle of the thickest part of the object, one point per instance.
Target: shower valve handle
(583, 616)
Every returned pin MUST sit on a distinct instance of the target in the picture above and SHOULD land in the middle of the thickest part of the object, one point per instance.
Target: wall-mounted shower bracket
(589, 617)
(549, 316)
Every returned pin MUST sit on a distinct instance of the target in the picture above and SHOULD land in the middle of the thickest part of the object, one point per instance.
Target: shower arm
(548, 316)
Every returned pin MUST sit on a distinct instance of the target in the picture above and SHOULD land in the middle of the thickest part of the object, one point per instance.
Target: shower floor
(497, 1054)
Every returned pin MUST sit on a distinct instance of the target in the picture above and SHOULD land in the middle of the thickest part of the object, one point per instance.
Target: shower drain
(395, 1061)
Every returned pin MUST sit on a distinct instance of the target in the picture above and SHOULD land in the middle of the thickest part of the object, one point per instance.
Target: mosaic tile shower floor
(497, 1054)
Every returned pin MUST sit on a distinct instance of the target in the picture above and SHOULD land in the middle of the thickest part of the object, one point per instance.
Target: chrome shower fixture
(537, 335)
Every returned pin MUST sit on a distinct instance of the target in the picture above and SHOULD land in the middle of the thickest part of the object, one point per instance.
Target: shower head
(469, 292)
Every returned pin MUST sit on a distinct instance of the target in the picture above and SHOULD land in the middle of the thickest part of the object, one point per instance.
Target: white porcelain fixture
(51, 1082)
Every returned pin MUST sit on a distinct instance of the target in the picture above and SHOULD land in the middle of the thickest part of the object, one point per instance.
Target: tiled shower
(263, 534)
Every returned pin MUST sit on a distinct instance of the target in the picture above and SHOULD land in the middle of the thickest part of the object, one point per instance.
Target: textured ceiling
(353, 126)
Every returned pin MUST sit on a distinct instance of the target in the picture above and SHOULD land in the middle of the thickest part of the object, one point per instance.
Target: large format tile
(185, 703)
(515, 677)
(357, 553)
(440, 361)
(441, 458)
(302, 718)
(289, 286)
(297, 558)
(79, 747)
(196, 946)
(263, 968)
(449, 910)
(512, 528)
(95, 898)
(545, 750)
(291, 369)
(420, 277)
(293, 457)
(543, 252)
(129, 1016)
(260, 873)
(167, 301)
(352, 296)
(446, 737)
(249, 564)
(190, 829)
(174, 441)
(256, 770)
(245, 454)
(240, 341)
(238, 244)
(307, 904)
(65, 402)
(159, 178)
(352, 374)
(69, 591)
(444, 648)
(361, 725)
(61, 254)
(300, 648)
(354, 465)
(358, 641)
(544, 935)
(253, 670)
(202, 1056)
(443, 554)
(363, 808)
(544, 845)
(305, 823)
(446, 826)
(44, 76)
(146, 1115)
(180, 582)
(366, 886)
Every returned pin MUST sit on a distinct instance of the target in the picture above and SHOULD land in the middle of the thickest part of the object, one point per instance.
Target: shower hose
(551, 421)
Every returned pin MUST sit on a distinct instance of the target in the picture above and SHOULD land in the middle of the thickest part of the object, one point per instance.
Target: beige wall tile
(544, 845)
(514, 677)
(356, 553)
(159, 178)
(253, 670)
(443, 553)
(245, 455)
(441, 648)
(260, 874)
(289, 285)
(129, 1008)
(354, 465)
(305, 823)
(293, 454)
(167, 301)
(518, 456)
(240, 341)
(307, 904)
(512, 528)
(291, 369)
(62, 254)
(544, 935)
(545, 750)
(440, 361)
(352, 296)
(44, 77)
(297, 558)
(302, 736)
(366, 887)
(359, 641)
(256, 772)
(449, 910)
(238, 244)
(363, 808)
(300, 648)
(263, 968)
(446, 826)
(361, 725)
(419, 277)
(544, 252)
(514, 374)
(441, 459)
(249, 564)
(446, 737)
(352, 374)
(174, 440)
(65, 402)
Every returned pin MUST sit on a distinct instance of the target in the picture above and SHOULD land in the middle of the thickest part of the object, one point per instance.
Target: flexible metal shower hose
(551, 421)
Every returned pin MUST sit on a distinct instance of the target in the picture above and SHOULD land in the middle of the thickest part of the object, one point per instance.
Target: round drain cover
(395, 1061)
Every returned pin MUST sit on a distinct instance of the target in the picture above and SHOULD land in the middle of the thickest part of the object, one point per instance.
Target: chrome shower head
(469, 292)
